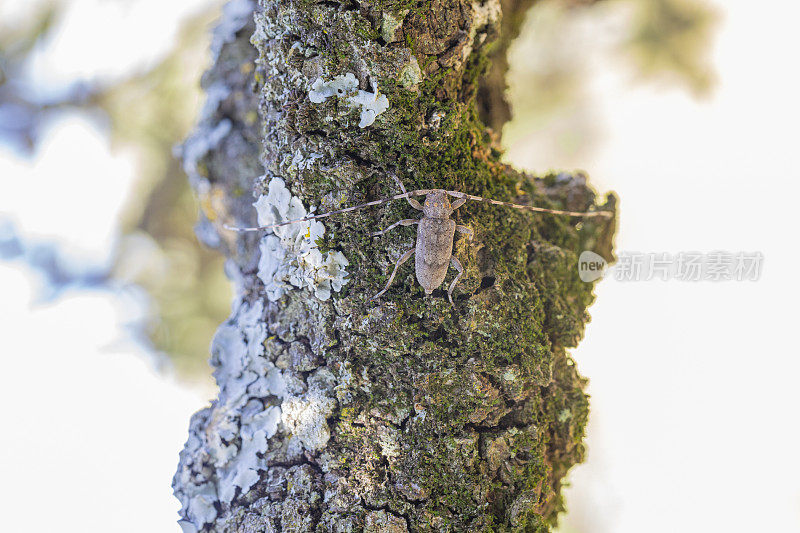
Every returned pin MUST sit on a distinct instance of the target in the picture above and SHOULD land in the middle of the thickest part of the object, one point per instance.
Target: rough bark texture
(404, 414)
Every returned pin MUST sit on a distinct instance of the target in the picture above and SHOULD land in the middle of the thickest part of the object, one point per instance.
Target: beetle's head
(437, 205)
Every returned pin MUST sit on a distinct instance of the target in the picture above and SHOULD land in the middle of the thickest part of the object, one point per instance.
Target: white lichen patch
(341, 86)
(306, 418)
(198, 493)
(201, 508)
(301, 162)
(372, 104)
(243, 470)
(345, 87)
(237, 428)
(290, 257)
(234, 346)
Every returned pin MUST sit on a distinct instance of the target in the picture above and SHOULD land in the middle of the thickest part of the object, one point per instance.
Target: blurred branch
(18, 42)
(184, 279)
(552, 61)
(148, 112)
(672, 38)
(492, 96)
(22, 111)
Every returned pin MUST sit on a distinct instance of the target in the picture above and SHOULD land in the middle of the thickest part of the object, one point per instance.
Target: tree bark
(337, 412)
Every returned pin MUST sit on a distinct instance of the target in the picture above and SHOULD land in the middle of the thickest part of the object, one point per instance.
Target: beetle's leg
(467, 230)
(455, 263)
(404, 222)
(413, 202)
(397, 265)
(458, 203)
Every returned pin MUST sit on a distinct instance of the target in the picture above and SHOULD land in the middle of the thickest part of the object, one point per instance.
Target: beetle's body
(434, 243)
(433, 249)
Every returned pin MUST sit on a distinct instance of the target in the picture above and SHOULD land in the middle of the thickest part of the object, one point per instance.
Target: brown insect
(435, 232)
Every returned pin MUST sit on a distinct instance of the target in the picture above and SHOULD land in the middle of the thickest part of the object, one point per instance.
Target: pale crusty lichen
(306, 418)
(290, 256)
(372, 103)
(239, 424)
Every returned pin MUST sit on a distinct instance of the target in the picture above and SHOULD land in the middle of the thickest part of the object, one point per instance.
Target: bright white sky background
(694, 386)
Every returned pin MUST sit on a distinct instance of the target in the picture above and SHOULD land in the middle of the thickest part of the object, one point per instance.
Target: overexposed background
(694, 424)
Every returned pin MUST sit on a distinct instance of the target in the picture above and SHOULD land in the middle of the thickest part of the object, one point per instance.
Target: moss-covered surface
(447, 418)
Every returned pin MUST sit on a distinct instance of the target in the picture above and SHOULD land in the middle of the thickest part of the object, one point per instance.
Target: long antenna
(457, 194)
(421, 192)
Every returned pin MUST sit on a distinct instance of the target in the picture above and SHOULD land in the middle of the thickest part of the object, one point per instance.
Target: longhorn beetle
(434, 244)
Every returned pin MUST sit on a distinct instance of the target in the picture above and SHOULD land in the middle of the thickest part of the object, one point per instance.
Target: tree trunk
(341, 413)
